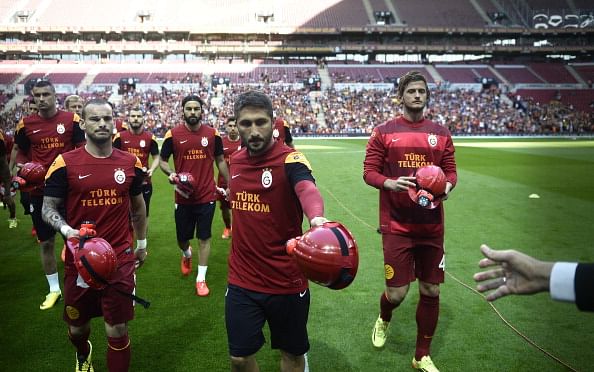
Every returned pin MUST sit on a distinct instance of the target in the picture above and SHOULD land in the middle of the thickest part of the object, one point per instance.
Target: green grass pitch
(182, 332)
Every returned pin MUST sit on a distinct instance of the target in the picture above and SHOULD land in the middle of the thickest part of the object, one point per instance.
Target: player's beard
(260, 145)
(192, 120)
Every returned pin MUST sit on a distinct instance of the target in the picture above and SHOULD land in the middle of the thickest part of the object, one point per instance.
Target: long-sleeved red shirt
(397, 148)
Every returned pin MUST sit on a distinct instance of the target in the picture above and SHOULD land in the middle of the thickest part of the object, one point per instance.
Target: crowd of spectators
(351, 112)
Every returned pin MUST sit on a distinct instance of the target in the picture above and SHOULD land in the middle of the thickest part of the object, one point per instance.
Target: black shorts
(194, 217)
(246, 312)
(147, 192)
(44, 231)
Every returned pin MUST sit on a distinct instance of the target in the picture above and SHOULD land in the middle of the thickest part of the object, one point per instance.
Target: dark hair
(252, 98)
(230, 118)
(408, 78)
(192, 97)
(136, 108)
(44, 83)
(95, 102)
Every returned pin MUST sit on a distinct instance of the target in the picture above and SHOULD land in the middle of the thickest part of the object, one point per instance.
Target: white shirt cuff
(562, 285)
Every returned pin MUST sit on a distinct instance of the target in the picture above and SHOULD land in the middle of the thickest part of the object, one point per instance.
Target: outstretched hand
(511, 272)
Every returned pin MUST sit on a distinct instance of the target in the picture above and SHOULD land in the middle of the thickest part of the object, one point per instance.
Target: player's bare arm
(164, 165)
(52, 217)
(13, 156)
(222, 165)
(138, 217)
(154, 165)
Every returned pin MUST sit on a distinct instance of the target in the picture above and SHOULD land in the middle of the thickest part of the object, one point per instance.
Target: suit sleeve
(584, 286)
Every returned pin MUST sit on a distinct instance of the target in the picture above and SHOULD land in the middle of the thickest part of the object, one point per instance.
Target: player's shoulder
(294, 156)
(386, 127)
(437, 128)
(207, 129)
(123, 155)
(67, 115)
(76, 155)
(239, 155)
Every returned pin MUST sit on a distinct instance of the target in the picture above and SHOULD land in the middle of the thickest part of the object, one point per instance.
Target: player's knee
(116, 330)
(397, 294)
(239, 363)
(429, 289)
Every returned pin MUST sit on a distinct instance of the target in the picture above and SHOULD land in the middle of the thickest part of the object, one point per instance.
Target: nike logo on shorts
(301, 294)
(85, 176)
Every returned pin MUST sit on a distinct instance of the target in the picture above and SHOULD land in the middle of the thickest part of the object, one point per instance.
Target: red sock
(386, 307)
(427, 315)
(81, 343)
(118, 354)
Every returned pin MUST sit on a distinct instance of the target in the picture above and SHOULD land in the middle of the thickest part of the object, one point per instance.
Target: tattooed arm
(52, 217)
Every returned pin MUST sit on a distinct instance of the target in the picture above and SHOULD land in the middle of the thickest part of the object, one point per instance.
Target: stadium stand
(516, 74)
(438, 13)
(553, 73)
(279, 46)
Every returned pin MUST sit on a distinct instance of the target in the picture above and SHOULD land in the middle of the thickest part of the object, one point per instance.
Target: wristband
(65, 230)
(141, 244)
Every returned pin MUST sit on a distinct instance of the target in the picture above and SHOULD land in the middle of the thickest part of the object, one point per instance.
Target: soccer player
(25, 197)
(517, 273)
(271, 187)
(42, 137)
(194, 148)
(136, 140)
(231, 143)
(412, 236)
(7, 199)
(32, 108)
(74, 103)
(282, 132)
(102, 184)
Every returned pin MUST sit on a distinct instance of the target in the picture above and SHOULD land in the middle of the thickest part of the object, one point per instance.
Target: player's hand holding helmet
(431, 185)
(94, 258)
(327, 255)
(184, 183)
(29, 177)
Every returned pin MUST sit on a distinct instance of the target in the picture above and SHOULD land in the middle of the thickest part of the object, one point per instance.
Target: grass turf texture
(182, 332)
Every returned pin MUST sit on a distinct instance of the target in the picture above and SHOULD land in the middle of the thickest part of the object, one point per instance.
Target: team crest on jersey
(119, 176)
(142, 143)
(60, 128)
(432, 139)
(204, 142)
(275, 133)
(266, 178)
